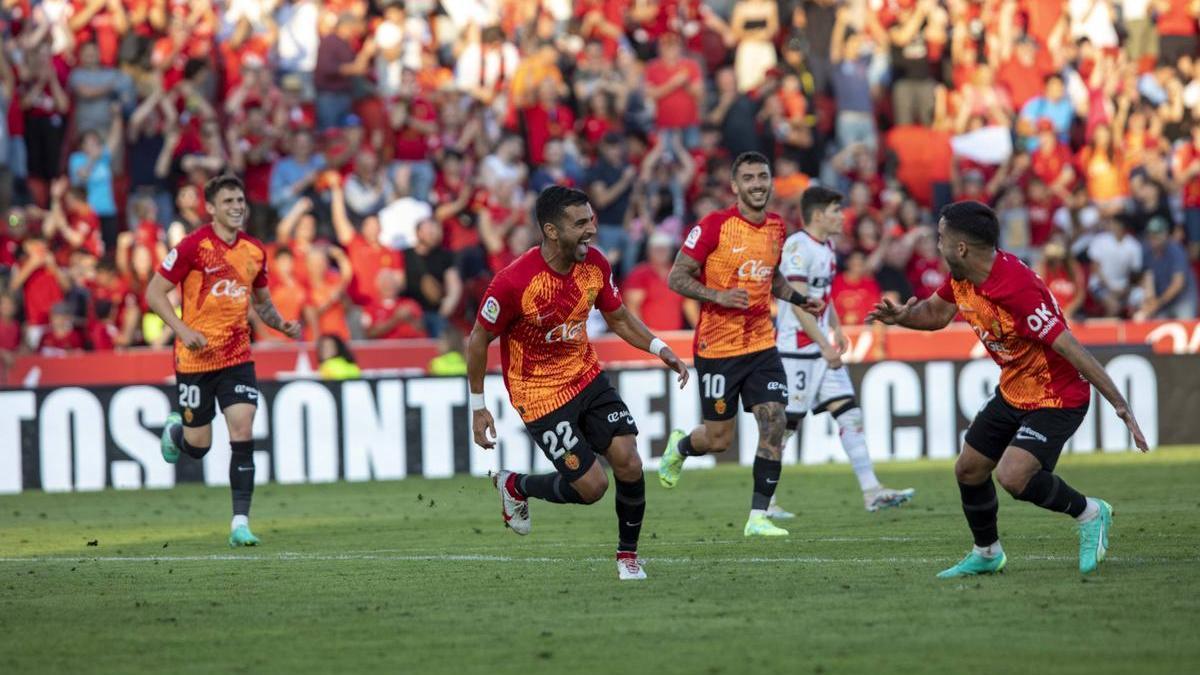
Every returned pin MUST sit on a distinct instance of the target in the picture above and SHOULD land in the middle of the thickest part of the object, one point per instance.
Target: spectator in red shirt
(926, 271)
(72, 224)
(414, 123)
(325, 312)
(62, 337)
(1051, 162)
(855, 292)
(548, 118)
(45, 104)
(42, 284)
(254, 149)
(675, 85)
(367, 255)
(10, 329)
(1185, 165)
(390, 316)
(288, 294)
(1021, 74)
(1042, 205)
(647, 294)
(1063, 276)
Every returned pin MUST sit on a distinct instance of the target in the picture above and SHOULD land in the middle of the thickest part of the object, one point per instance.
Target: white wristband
(477, 402)
(657, 346)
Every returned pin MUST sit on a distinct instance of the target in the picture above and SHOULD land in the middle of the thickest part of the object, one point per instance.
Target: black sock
(191, 450)
(241, 476)
(686, 448)
(766, 477)
(631, 506)
(546, 486)
(980, 506)
(1051, 492)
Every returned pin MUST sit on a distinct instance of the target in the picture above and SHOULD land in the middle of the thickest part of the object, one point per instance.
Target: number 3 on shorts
(714, 385)
(552, 437)
(189, 396)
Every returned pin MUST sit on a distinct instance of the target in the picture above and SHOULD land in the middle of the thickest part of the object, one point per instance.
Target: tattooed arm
(684, 279)
(783, 289)
(270, 316)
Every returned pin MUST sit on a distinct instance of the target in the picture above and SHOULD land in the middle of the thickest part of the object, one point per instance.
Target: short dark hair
(553, 201)
(343, 349)
(221, 182)
(817, 198)
(750, 157)
(973, 220)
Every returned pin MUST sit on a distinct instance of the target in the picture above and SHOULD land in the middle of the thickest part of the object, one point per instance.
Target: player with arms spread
(222, 272)
(538, 306)
(814, 364)
(1043, 393)
(730, 262)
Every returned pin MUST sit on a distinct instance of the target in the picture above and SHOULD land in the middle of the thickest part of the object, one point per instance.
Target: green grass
(420, 577)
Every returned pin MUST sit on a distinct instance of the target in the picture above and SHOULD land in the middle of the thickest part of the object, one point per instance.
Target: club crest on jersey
(491, 309)
(720, 406)
(755, 270)
(571, 460)
(187, 415)
(570, 331)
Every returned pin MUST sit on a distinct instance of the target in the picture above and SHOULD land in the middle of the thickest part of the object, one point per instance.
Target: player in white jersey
(817, 380)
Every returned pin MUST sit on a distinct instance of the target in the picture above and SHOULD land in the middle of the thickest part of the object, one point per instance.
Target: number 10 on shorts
(714, 385)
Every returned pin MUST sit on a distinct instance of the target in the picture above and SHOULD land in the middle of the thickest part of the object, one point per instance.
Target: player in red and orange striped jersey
(1043, 393)
(538, 306)
(222, 273)
(730, 262)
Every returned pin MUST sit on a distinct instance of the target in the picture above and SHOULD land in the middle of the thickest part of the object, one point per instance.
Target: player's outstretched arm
(270, 316)
(684, 279)
(160, 304)
(932, 313)
(786, 291)
(632, 330)
(482, 425)
(1087, 365)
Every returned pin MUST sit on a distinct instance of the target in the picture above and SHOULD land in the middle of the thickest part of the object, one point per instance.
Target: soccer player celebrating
(538, 306)
(814, 364)
(222, 273)
(1043, 393)
(729, 262)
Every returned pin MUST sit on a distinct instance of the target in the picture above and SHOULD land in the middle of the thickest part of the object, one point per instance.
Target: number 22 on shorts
(559, 440)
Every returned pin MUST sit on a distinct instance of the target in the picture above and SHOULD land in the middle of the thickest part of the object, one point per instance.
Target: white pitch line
(311, 557)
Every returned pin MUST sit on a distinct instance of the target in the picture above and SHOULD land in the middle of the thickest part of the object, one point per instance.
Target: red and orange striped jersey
(1017, 319)
(735, 253)
(216, 280)
(541, 318)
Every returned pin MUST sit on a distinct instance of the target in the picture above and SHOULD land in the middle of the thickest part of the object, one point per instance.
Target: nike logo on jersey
(212, 270)
(738, 249)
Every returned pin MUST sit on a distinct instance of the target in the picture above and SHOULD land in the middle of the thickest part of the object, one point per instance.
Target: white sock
(238, 521)
(757, 512)
(855, 444)
(1089, 513)
(991, 551)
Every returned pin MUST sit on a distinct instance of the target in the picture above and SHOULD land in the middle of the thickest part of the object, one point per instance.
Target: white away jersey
(813, 262)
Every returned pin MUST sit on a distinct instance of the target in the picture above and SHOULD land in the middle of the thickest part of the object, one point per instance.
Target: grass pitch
(420, 577)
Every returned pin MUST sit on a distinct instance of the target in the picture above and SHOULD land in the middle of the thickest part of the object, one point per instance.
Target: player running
(1042, 397)
(813, 364)
(538, 306)
(222, 273)
(730, 262)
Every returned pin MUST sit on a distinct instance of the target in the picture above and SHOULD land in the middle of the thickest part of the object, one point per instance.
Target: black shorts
(572, 435)
(754, 378)
(1043, 431)
(199, 393)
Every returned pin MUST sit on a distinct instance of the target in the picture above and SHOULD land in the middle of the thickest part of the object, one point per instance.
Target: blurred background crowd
(392, 149)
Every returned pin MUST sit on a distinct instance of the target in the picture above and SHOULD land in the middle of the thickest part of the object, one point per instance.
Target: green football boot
(170, 448)
(670, 465)
(975, 564)
(242, 536)
(1093, 539)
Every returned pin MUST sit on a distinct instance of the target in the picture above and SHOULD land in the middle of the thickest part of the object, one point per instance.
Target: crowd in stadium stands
(391, 150)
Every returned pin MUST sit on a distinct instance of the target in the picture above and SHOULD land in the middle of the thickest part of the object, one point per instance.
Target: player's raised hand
(291, 329)
(192, 339)
(668, 357)
(1139, 439)
(484, 428)
(888, 312)
(734, 298)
